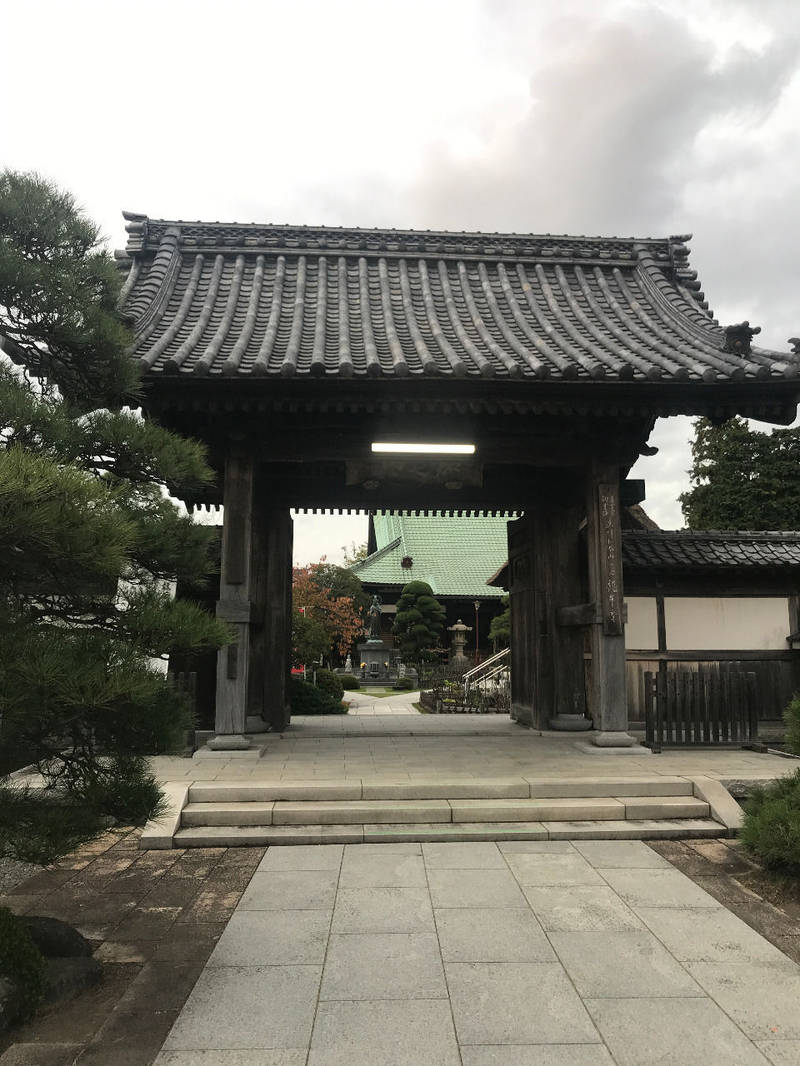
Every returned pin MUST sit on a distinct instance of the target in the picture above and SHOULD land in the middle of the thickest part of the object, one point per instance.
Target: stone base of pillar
(229, 742)
(604, 738)
(256, 724)
(570, 723)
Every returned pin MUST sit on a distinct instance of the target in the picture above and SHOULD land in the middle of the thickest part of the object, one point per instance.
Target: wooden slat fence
(711, 705)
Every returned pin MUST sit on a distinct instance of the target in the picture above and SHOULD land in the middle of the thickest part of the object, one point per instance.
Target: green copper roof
(456, 556)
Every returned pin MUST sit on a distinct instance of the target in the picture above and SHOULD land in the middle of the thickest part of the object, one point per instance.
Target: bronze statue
(375, 619)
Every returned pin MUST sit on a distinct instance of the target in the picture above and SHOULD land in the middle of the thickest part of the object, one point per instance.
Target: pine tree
(418, 622)
(91, 537)
(743, 478)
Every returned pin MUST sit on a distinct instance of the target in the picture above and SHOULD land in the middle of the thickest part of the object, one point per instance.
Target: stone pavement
(484, 954)
(362, 702)
(411, 746)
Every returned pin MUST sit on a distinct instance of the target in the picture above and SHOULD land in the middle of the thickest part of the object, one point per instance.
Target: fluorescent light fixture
(423, 449)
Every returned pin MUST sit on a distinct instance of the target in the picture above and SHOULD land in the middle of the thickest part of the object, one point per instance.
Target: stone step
(364, 812)
(633, 829)
(438, 788)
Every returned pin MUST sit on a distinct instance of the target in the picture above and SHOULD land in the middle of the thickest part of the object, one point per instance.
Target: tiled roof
(689, 549)
(280, 301)
(454, 555)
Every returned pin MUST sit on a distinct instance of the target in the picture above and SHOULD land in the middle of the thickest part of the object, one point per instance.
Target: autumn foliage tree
(327, 611)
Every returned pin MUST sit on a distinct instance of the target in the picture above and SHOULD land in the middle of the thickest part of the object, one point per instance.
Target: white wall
(725, 623)
(641, 629)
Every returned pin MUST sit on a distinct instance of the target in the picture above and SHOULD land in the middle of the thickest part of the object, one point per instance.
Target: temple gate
(293, 351)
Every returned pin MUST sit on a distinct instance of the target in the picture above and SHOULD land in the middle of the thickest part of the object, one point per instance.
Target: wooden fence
(711, 705)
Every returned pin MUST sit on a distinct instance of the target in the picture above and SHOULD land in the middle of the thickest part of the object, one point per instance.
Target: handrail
(487, 662)
(488, 668)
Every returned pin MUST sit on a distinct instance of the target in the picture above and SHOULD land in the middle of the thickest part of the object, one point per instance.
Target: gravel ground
(13, 873)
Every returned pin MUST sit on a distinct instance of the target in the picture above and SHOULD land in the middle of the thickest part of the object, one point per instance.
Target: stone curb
(159, 832)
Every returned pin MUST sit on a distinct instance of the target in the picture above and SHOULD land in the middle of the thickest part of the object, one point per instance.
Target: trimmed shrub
(306, 698)
(21, 962)
(404, 683)
(330, 684)
(348, 681)
(771, 829)
(791, 717)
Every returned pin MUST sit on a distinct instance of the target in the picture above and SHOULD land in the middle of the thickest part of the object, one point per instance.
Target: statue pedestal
(374, 657)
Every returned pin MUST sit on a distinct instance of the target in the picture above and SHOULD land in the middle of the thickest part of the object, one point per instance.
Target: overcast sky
(629, 117)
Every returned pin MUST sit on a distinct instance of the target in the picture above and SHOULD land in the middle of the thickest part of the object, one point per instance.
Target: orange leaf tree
(340, 616)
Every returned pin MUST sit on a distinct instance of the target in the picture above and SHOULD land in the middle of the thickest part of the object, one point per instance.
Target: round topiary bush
(771, 829)
(22, 963)
(348, 681)
(403, 683)
(330, 684)
(306, 698)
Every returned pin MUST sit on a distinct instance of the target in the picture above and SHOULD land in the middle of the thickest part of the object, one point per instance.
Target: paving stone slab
(454, 788)
(779, 1052)
(609, 786)
(230, 814)
(550, 869)
(464, 856)
(373, 848)
(633, 829)
(536, 847)
(456, 831)
(384, 1033)
(273, 938)
(275, 890)
(621, 854)
(535, 1055)
(665, 807)
(248, 1007)
(672, 1032)
(372, 811)
(657, 888)
(474, 888)
(40, 1055)
(516, 1003)
(375, 869)
(264, 1057)
(580, 908)
(261, 792)
(761, 997)
(302, 857)
(536, 810)
(699, 934)
(621, 965)
(383, 910)
(492, 934)
(370, 966)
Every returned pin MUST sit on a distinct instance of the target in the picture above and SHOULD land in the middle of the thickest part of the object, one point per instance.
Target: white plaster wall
(730, 623)
(641, 629)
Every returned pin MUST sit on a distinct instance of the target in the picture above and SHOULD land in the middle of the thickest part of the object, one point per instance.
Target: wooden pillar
(523, 616)
(607, 690)
(277, 619)
(240, 582)
(561, 688)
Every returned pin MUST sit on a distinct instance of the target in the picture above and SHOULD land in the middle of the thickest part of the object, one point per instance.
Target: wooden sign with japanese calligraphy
(610, 561)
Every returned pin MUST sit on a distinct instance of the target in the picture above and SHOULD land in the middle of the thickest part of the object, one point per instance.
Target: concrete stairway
(215, 814)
